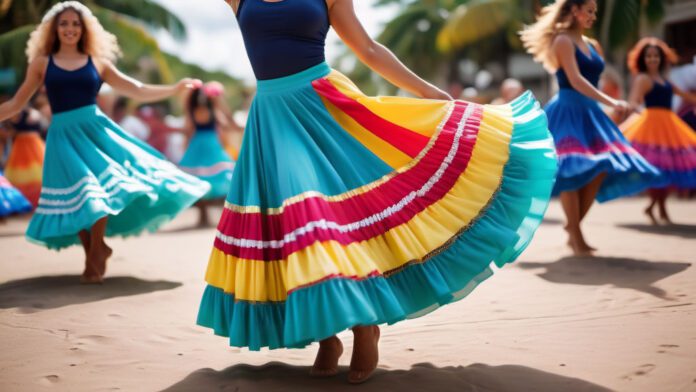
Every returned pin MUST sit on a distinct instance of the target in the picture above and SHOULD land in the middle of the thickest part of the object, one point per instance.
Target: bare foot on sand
(577, 244)
(98, 256)
(365, 353)
(326, 363)
(649, 213)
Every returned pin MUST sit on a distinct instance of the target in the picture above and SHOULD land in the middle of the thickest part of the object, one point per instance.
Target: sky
(215, 42)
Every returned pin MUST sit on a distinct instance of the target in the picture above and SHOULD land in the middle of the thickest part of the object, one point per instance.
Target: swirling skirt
(352, 210)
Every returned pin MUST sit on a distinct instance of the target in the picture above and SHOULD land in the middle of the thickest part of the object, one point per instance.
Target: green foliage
(128, 20)
(147, 12)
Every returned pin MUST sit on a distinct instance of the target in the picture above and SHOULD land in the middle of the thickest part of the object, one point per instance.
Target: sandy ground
(624, 320)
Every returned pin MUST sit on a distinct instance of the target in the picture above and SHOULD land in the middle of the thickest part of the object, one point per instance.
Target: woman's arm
(641, 85)
(687, 96)
(564, 50)
(32, 82)
(375, 55)
(131, 88)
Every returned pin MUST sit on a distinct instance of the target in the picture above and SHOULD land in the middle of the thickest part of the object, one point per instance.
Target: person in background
(658, 133)
(595, 159)
(206, 115)
(121, 113)
(510, 89)
(25, 163)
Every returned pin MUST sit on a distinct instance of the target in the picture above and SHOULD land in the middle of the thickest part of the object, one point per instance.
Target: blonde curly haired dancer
(97, 179)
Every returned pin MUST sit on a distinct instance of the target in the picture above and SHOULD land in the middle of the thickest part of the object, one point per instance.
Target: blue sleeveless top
(68, 90)
(283, 37)
(206, 126)
(590, 67)
(660, 96)
(24, 124)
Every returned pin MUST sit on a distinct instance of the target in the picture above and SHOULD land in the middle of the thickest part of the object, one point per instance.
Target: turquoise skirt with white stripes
(94, 169)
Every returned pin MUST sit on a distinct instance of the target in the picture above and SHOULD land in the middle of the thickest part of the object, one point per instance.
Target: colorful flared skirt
(352, 210)
(25, 165)
(94, 169)
(11, 200)
(588, 144)
(667, 142)
(206, 159)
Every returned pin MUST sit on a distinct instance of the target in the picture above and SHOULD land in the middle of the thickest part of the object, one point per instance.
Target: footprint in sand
(641, 371)
(49, 380)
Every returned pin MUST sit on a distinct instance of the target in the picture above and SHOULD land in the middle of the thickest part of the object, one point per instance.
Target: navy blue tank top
(206, 126)
(660, 96)
(283, 37)
(68, 90)
(590, 67)
(24, 124)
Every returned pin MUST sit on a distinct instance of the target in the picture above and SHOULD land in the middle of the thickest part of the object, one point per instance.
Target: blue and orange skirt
(352, 210)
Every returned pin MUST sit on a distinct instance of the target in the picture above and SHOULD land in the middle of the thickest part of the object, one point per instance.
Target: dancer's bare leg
(662, 205)
(653, 193)
(570, 201)
(84, 239)
(90, 274)
(203, 220)
(587, 195)
(99, 252)
(326, 363)
(365, 353)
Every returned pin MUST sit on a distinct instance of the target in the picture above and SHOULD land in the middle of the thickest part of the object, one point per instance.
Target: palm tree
(413, 31)
(127, 19)
(619, 22)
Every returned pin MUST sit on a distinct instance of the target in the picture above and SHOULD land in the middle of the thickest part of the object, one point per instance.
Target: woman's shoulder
(562, 40)
(39, 64)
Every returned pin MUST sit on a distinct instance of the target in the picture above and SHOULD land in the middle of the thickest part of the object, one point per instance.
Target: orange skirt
(665, 141)
(25, 165)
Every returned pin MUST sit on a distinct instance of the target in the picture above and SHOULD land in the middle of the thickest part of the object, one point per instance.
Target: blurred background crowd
(469, 47)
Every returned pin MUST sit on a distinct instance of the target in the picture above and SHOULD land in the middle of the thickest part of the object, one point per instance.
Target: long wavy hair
(95, 41)
(636, 57)
(554, 19)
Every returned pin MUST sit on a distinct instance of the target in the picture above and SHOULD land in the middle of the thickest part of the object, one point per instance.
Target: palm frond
(147, 12)
(12, 45)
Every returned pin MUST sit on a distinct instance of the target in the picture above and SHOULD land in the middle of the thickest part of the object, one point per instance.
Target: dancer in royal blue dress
(595, 160)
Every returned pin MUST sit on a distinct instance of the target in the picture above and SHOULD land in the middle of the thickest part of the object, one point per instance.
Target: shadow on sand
(616, 271)
(49, 292)
(684, 231)
(186, 229)
(551, 221)
(11, 234)
(275, 376)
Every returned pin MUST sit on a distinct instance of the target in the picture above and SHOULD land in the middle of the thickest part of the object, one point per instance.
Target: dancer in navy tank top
(347, 211)
(658, 133)
(595, 160)
(97, 180)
